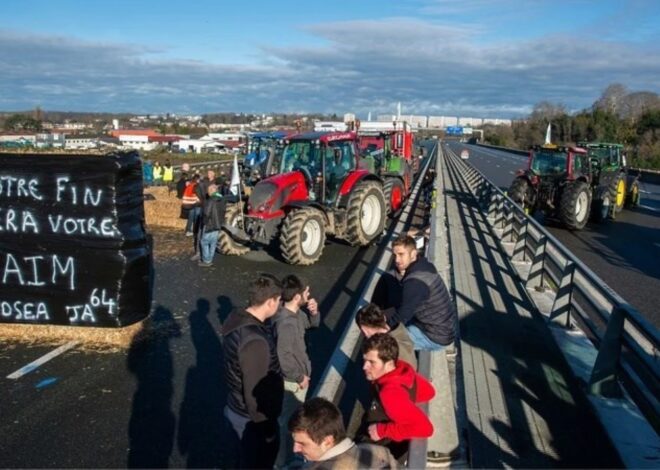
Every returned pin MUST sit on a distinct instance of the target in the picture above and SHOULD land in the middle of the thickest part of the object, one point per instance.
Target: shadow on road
(152, 423)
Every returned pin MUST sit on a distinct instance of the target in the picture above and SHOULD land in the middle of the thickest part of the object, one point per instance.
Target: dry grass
(162, 208)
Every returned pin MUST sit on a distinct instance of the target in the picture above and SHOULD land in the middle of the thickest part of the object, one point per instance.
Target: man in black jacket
(213, 216)
(424, 306)
(252, 373)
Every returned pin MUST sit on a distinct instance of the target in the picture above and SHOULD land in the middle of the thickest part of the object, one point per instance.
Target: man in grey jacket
(291, 323)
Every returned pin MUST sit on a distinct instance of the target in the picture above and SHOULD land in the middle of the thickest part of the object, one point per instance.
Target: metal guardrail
(628, 344)
(332, 385)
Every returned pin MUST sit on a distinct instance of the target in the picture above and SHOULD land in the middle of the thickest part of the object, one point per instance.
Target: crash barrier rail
(648, 176)
(627, 343)
(332, 384)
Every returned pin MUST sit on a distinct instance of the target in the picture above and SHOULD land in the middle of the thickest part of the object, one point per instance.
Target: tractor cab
(552, 162)
(324, 160)
(263, 153)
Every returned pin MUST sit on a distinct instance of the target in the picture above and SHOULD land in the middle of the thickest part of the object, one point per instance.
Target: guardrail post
(507, 221)
(562, 304)
(492, 203)
(535, 278)
(603, 381)
(521, 243)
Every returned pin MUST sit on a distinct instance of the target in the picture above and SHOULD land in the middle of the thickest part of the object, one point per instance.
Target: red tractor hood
(270, 195)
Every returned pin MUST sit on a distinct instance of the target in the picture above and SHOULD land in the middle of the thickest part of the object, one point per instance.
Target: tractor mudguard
(349, 183)
(303, 204)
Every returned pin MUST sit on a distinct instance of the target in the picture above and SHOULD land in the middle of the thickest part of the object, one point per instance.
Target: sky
(479, 58)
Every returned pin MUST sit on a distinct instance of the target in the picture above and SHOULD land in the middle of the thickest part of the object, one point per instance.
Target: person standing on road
(253, 376)
(371, 320)
(213, 218)
(292, 322)
(424, 305)
(191, 204)
(158, 174)
(319, 435)
(393, 418)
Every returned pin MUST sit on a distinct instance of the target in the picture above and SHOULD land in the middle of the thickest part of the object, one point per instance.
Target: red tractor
(320, 190)
(386, 148)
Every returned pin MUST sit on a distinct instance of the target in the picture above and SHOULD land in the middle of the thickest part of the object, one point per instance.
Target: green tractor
(613, 186)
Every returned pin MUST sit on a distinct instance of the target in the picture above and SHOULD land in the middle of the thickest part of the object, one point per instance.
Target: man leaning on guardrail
(420, 300)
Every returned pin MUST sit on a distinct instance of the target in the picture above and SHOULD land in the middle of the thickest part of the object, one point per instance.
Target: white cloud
(362, 66)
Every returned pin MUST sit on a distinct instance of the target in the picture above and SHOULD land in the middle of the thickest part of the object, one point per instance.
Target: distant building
(134, 132)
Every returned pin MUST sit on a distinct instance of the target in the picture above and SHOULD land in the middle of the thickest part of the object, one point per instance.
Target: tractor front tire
(632, 199)
(302, 236)
(574, 205)
(601, 206)
(393, 191)
(226, 244)
(365, 213)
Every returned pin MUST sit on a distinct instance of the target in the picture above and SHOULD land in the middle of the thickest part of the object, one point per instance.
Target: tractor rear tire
(618, 194)
(226, 244)
(393, 191)
(601, 206)
(302, 236)
(574, 205)
(365, 213)
(520, 192)
(632, 199)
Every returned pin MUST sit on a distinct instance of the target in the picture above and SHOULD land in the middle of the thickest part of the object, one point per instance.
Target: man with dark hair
(252, 373)
(424, 306)
(393, 417)
(319, 435)
(292, 323)
(371, 320)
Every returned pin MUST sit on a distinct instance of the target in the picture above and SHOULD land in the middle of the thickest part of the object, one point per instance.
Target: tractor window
(299, 155)
(546, 162)
(580, 165)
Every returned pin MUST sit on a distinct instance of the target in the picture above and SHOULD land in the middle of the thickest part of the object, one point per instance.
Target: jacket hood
(404, 374)
(239, 319)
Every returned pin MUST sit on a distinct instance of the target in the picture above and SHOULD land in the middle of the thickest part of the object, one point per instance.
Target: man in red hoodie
(393, 417)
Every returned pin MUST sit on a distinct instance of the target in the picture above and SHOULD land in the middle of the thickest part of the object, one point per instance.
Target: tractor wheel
(365, 213)
(601, 206)
(520, 192)
(618, 193)
(226, 244)
(574, 205)
(394, 195)
(302, 236)
(632, 200)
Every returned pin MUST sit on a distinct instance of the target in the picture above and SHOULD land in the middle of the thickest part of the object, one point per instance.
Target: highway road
(159, 404)
(624, 253)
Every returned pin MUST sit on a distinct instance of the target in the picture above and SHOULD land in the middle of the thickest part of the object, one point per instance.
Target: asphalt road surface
(159, 404)
(624, 253)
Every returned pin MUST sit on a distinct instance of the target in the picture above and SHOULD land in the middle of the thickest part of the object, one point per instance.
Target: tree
(611, 98)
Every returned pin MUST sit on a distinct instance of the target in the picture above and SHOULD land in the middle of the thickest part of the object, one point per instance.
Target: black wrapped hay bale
(73, 246)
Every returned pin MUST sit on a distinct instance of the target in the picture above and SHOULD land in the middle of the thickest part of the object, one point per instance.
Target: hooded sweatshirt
(405, 420)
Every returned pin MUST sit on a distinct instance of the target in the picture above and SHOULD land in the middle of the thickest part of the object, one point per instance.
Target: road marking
(649, 208)
(42, 360)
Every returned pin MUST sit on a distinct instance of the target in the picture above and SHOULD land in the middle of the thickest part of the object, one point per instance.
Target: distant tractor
(261, 161)
(387, 149)
(319, 190)
(613, 185)
(556, 182)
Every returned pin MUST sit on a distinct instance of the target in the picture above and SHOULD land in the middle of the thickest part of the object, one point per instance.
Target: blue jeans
(193, 214)
(207, 245)
(421, 341)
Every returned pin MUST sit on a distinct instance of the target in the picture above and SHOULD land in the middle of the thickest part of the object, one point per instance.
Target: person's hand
(305, 383)
(373, 432)
(313, 306)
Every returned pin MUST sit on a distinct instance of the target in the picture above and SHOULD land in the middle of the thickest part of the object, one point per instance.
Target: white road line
(649, 208)
(42, 360)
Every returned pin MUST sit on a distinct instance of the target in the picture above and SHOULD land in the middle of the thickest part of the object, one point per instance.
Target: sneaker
(204, 265)
(189, 234)
(195, 257)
